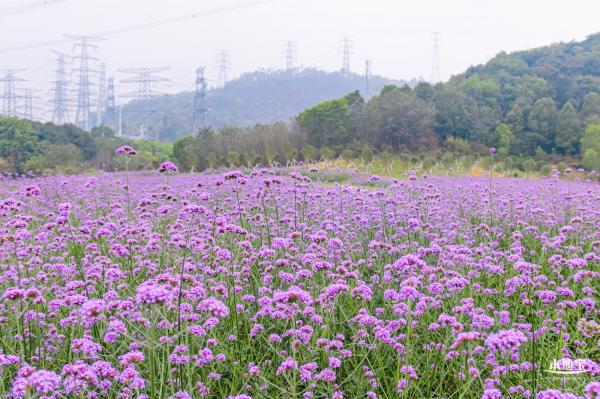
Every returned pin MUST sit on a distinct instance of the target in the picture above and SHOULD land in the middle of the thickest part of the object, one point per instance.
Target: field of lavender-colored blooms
(268, 284)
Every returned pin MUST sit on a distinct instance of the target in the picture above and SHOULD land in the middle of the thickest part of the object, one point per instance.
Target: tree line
(536, 104)
(33, 147)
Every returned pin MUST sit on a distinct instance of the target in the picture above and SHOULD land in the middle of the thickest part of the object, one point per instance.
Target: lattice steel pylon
(346, 51)
(84, 105)
(28, 108)
(9, 96)
(367, 79)
(101, 98)
(289, 53)
(147, 81)
(199, 110)
(110, 114)
(223, 66)
(60, 99)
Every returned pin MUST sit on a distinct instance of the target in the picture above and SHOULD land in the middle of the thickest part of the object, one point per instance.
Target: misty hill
(256, 97)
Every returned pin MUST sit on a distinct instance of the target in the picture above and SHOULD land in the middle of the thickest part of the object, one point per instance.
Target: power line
(148, 25)
(24, 8)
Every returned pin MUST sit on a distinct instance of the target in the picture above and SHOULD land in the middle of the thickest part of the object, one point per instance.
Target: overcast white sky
(396, 35)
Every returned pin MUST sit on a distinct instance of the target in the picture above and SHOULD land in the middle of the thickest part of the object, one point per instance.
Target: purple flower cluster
(167, 167)
(263, 283)
(126, 150)
(505, 341)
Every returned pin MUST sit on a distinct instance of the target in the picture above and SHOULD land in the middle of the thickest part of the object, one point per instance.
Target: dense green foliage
(524, 103)
(255, 98)
(27, 146)
(232, 146)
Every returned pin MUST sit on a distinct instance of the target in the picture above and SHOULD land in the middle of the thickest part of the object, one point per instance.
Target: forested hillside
(546, 96)
(530, 105)
(523, 103)
(256, 97)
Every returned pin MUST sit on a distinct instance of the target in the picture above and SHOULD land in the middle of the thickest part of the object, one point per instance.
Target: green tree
(56, 157)
(453, 114)
(102, 132)
(366, 154)
(591, 139)
(309, 152)
(67, 134)
(232, 158)
(326, 124)
(326, 153)
(184, 153)
(542, 120)
(591, 160)
(403, 119)
(17, 141)
(388, 89)
(503, 139)
(518, 114)
(424, 91)
(484, 91)
(590, 111)
(568, 130)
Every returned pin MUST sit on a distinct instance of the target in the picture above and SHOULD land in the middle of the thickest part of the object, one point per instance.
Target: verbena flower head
(168, 167)
(505, 340)
(44, 381)
(126, 150)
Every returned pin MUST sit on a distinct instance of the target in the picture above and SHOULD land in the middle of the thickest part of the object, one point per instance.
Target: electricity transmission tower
(289, 49)
(28, 107)
(101, 103)
(223, 67)
(435, 63)
(146, 80)
(9, 97)
(199, 112)
(367, 79)
(84, 106)
(110, 115)
(60, 102)
(28, 112)
(346, 51)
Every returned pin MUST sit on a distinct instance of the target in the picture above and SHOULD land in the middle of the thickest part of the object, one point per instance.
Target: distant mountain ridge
(254, 98)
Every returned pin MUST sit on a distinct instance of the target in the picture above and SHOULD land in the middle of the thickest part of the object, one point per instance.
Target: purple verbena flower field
(268, 284)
